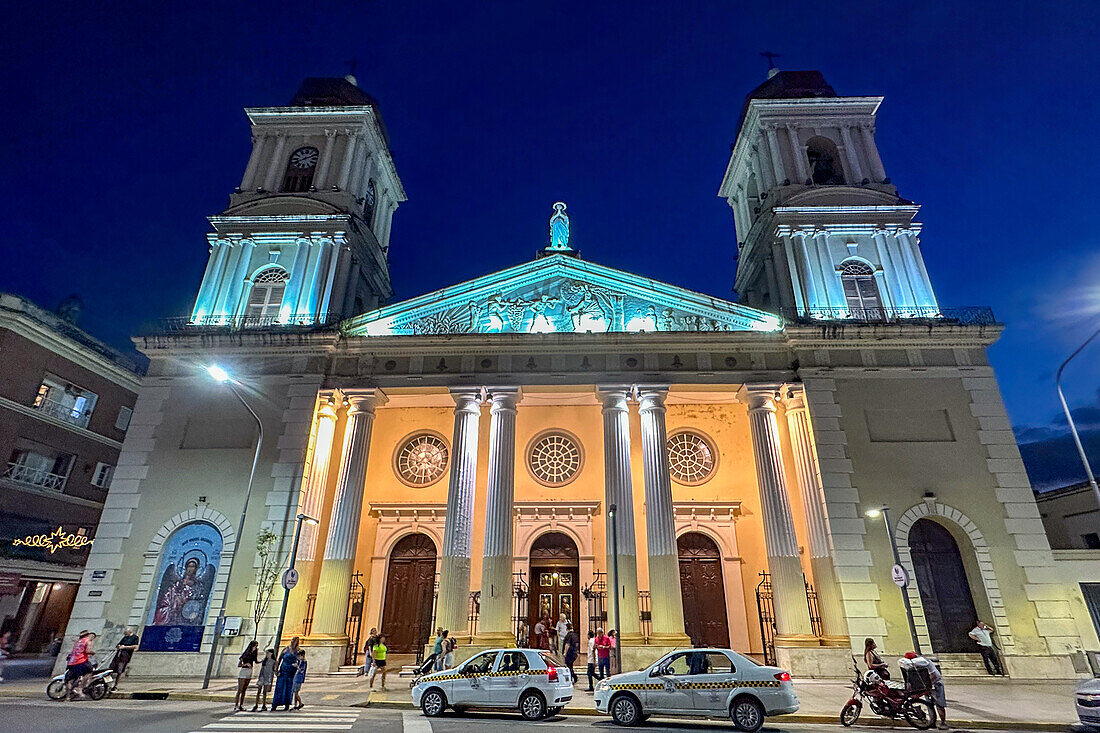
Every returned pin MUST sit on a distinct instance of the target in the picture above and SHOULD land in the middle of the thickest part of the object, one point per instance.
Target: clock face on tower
(304, 158)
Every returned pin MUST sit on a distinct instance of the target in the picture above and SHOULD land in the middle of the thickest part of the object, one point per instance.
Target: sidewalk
(973, 705)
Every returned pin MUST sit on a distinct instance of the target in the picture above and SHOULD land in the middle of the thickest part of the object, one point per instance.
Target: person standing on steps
(124, 652)
(982, 634)
(266, 679)
(245, 663)
(561, 628)
(569, 650)
(591, 661)
(379, 653)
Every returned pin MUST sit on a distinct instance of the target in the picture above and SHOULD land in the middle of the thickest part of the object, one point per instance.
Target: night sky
(125, 130)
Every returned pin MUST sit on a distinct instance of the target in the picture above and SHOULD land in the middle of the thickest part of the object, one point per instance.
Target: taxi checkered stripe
(442, 678)
(698, 685)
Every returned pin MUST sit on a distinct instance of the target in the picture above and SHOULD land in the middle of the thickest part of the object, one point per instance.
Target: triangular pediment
(559, 294)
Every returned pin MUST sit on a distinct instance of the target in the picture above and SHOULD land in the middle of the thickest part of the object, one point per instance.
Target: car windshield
(551, 660)
(480, 664)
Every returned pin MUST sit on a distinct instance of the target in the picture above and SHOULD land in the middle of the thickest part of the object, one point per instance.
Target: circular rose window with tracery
(691, 457)
(554, 458)
(421, 459)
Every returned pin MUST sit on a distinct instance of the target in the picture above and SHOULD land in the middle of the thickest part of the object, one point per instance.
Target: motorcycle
(911, 702)
(101, 682)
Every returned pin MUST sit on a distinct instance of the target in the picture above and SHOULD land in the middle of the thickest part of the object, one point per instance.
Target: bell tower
(821, 230)
(305, 239)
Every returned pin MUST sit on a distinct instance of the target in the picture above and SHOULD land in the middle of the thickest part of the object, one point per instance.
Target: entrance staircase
(962, 665)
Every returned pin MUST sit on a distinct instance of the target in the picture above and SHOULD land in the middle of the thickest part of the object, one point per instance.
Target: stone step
(349, 670)
(961, 664)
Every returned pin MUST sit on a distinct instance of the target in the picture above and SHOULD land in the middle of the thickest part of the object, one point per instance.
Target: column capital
(467, 399)
(328, 407)
(793, 397)
(760, 397)
(364, 400)
(614, 396)
(651, 396)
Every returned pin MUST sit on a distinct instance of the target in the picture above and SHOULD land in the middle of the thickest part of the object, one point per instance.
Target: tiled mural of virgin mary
(185, 577)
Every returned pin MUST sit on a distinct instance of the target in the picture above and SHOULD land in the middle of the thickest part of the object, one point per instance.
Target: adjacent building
(561, 436)
(66, 400)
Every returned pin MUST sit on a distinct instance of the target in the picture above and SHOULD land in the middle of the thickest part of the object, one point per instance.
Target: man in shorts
(79, 666)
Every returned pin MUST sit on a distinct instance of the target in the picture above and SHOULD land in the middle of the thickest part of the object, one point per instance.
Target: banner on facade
(185, 576)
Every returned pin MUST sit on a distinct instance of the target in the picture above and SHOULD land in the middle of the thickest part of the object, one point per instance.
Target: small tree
(266, 575)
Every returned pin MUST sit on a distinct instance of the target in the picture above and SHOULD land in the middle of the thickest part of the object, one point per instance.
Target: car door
(714, 675)
(468, 687)
(512, 675)
(668, 688)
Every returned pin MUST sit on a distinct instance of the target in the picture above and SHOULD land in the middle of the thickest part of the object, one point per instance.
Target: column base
(670, 640)
(493, 639)
(838, 641)
(796, 640)
(325, 652)
(815, 661)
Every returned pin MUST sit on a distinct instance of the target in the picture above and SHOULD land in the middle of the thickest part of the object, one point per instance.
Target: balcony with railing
(32, 476)
(921, 315)
(208, 324)
(68, 411)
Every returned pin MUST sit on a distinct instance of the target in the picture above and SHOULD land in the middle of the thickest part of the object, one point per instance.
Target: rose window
(554, 458)
(421, 460)
(691, 458)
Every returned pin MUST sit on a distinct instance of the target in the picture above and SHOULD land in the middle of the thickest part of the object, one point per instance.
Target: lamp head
(217, 373)
(873, 513)
(307, 519)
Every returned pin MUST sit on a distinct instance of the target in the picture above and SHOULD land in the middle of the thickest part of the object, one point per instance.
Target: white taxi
(528, 680)
(707, 683)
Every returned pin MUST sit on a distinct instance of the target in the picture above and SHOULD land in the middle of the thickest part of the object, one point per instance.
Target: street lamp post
(884, 512)
(1069, 417)
(220, 375)
(615, 587)
(286, 591)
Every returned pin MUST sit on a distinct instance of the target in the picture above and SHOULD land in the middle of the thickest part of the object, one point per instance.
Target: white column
(852, 155)
(775, 152)
(452, 610)
(792, 615)
(331, 612)
(320, 182)
(349, 153)
(801, 164)
(208, 291)
(495, 622)
(618, 490)
(922, 285)
(259, 142)
(666, 599)
(307, 296)
(834, 625)
(277, 164)
(233, 305)
(878, 173)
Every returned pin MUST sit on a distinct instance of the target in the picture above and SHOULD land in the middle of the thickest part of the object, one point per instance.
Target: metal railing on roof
(961, 316)
(209, 324)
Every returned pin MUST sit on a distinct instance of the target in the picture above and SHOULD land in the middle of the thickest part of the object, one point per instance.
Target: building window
(824, 162)
(122, 422)
(266, 296)
(39, 469)
(1091, 540)
(860, 290)
(300, 169)
(65, 401)
(370, 203)
(421, 459)
(554, 458)
(692, 458)
(101, 477)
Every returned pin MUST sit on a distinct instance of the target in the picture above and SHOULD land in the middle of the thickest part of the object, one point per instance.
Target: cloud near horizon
(1049, 453)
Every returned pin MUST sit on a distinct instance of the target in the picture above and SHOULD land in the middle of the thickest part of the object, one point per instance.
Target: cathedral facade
(563, 437)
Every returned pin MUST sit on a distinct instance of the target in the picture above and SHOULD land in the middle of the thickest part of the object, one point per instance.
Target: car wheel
(850, 714)
(625, 710)
(920, 714)
(532, 706)
(56, 690)
(433, 703)
(747, 714)
(97, 690)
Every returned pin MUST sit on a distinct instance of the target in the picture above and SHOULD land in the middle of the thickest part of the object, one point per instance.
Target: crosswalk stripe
(298, 714)
(319, 719)
(264, 726)
(415, 723)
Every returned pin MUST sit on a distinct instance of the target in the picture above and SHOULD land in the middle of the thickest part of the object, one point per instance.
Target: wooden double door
(410, 588)
(555, 583)
(944, 587)
(703, 591)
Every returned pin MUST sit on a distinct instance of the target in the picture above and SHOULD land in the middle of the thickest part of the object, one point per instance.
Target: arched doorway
(943, 585)
(410, 583)
(703, 591)
(555, 581)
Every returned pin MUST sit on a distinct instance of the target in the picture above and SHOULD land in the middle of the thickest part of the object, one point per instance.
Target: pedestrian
(379, 654)
(284, 677)
(939, 697)
(592, 661)
(872, 659)
(371, 640)
(265, 680)
(613, 637)
(523, 636)
(78, 666)
(5, 651)
(561, 627)
(982, 634)
(569, 651)
(449, 645)
(437, 649)
(542, 639)
(124, 652)
(603, 654)
(245, 662)
(299, 678)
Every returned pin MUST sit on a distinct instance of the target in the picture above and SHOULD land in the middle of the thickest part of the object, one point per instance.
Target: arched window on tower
(370, 203)
(266, 296)
(300, 169)
(861, 290)
(824, 161)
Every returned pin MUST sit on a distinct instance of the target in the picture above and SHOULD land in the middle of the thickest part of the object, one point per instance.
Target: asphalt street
(124, 716)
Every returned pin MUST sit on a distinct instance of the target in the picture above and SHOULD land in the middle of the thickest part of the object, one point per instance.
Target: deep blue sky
(124, 130)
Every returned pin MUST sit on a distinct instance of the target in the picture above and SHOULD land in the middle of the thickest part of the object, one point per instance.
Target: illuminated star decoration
(54, 542)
